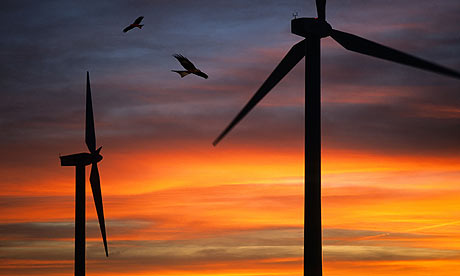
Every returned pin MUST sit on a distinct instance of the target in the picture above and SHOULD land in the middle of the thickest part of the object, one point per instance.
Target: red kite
(135, 24)
(191, 69)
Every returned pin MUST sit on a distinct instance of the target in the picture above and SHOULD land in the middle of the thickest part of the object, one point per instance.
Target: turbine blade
(295, 54)
(97, 195)
(321, 9)
(360, 45)
(90, 136)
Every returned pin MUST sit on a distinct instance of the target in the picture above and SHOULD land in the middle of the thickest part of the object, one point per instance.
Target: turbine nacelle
(81, 159)
(307, 26)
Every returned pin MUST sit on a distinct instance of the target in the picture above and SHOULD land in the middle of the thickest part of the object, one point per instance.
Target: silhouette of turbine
(313, 29)
(80, 161)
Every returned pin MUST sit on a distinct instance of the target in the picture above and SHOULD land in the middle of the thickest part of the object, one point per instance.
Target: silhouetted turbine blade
(90, 136)
(293, 57)
(358, 44)
(321, 9)
(97, 195)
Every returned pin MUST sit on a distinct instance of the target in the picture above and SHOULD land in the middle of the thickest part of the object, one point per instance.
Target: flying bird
(189, 67)
(135, 24)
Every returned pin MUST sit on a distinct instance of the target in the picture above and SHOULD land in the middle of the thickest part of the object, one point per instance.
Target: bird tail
(141, 25)
(181, 73)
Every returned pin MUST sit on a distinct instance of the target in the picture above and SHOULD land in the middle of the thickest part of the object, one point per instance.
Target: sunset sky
(176, 205)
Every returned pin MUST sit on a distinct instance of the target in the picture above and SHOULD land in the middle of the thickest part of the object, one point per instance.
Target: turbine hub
(306, 27)
(97, 157)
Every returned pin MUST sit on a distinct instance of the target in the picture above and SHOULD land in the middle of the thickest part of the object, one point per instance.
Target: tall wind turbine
(80, 161)
(313, 30)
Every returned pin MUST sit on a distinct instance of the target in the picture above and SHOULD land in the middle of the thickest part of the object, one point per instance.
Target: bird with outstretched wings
(136, 23)
(188, 66)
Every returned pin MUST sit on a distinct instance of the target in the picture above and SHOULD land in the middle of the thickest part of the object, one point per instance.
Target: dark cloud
(397, 128)
(40, 231)
(136, 95)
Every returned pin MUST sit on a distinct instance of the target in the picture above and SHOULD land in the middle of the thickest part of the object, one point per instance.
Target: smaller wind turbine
(80, 161)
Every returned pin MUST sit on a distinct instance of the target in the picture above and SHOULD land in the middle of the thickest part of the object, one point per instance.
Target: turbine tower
(313, 30)
(80, 161)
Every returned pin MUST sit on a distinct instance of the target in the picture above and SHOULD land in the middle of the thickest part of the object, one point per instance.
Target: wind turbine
(313, 30)
(80, 161)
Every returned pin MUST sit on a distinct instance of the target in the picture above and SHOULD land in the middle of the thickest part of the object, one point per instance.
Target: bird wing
(127, 28)
(138, 20)
(185, 62)
(201, 74)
